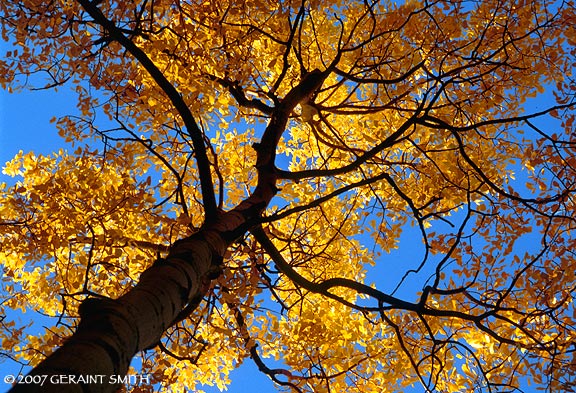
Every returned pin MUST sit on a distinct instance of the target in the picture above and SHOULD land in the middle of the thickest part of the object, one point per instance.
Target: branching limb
(392, 139)
(252, 348)
(325, 286)
(206, 184)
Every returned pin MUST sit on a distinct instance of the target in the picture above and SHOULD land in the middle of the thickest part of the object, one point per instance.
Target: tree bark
(111, 332)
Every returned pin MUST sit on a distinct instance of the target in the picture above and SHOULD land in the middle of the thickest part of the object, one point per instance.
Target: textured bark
(111, 332)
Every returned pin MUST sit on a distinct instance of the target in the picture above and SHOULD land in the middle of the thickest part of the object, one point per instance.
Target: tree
(244, 170)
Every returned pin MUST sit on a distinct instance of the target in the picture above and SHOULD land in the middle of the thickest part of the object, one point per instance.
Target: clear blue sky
(24, 125)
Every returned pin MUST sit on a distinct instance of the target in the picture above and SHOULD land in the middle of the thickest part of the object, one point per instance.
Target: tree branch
(206, 184)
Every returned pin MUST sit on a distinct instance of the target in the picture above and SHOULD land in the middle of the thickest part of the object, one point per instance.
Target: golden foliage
(424, 123)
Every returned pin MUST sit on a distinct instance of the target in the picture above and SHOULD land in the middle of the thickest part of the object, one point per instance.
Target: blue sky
(25, 125)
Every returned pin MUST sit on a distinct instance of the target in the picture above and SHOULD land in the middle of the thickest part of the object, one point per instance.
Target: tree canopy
(266, 165)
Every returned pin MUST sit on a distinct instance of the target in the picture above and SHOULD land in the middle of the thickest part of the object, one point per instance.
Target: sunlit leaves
(423, 121)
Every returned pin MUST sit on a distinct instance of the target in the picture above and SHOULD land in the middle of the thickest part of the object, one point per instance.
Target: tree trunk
(111, 332)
